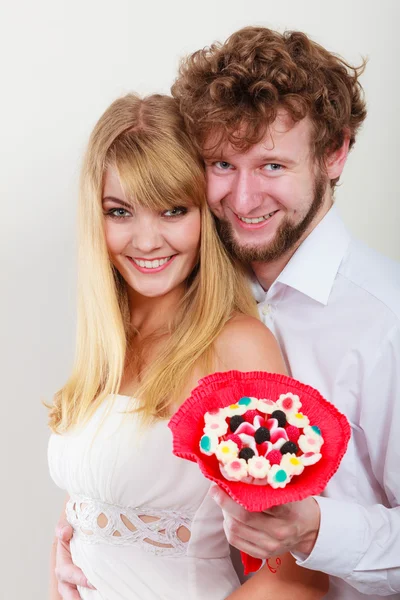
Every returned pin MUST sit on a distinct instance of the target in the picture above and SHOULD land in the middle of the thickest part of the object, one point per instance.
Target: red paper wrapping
(222, 389)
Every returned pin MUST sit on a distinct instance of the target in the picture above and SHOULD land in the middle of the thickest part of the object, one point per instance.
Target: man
(274, 117)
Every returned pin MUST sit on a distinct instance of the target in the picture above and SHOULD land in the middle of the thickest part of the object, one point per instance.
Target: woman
(160, 306)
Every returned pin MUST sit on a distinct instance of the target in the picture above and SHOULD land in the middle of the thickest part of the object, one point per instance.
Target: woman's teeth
(151, 264)
(257, 219)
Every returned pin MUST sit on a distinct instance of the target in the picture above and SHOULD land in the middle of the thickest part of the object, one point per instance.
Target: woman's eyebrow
(113, 199)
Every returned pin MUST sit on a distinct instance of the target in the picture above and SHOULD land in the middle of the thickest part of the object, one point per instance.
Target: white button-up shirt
(335, 311)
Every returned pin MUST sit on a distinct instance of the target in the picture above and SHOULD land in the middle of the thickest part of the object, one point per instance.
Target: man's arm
(54, 595)
(359, 544)
(64, 575)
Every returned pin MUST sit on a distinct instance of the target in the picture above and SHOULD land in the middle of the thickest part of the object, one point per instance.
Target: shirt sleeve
(361, 544)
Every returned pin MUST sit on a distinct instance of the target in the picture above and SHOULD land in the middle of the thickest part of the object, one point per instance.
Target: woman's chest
(114, 460)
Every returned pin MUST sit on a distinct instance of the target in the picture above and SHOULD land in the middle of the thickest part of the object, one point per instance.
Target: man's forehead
(282, 131)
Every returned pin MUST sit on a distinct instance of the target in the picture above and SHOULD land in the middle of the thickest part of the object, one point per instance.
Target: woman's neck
(149, 315)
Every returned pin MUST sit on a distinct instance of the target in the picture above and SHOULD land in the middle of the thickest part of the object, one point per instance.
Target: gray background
(63, 62)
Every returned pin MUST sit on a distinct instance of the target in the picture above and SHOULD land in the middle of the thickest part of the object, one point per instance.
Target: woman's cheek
(116, 237)
(193, 232)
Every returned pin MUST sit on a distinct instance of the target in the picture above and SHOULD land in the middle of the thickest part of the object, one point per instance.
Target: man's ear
(335, 161)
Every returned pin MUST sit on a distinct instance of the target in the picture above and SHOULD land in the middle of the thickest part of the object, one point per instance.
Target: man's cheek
(215, 193)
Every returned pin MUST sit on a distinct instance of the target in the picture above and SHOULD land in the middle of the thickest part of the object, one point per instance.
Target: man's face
(268, 198)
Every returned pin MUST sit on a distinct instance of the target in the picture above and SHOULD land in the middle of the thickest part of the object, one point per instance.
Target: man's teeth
(258, 219)
(151, 264)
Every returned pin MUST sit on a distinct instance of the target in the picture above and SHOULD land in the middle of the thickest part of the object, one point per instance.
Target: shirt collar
(313, 267)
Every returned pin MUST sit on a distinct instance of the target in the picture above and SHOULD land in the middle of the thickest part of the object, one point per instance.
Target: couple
(163, 302)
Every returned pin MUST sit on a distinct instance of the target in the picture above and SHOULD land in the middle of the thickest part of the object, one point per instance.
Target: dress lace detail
(154, 530)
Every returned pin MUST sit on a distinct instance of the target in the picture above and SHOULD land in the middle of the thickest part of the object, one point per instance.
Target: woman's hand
(67, 574)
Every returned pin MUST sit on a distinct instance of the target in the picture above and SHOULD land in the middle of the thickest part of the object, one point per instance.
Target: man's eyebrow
(122, 202)
(209, 157)
(273, 158)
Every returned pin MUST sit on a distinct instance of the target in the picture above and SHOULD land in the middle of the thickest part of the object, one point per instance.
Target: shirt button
(266, 309)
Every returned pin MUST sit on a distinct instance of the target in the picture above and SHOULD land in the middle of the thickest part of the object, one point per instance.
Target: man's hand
(281, 529)
(67, 574)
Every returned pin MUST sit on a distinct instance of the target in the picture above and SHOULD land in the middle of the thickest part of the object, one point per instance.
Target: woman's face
(154, 251)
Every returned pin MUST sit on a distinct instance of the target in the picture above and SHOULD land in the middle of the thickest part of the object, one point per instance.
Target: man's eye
(118, 213)
(222, 164)
(177, 211)
(273, 167)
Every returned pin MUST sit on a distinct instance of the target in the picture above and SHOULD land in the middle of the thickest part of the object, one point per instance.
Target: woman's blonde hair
(146, 142)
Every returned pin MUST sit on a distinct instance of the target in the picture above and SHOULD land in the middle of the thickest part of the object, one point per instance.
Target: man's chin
(243, 246)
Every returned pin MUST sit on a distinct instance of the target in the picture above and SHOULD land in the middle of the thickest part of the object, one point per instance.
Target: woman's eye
(118, 213)
(177, 211)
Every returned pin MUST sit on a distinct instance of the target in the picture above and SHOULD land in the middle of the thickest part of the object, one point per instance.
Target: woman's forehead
(114, 189)
(112, 184)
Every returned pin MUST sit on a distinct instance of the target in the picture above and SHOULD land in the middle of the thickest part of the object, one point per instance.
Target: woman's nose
(146, 236)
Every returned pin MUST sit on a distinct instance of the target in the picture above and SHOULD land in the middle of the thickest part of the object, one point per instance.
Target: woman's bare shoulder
(246, 344)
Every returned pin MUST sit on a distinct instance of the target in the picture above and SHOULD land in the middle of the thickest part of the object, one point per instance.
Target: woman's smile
(153, 265)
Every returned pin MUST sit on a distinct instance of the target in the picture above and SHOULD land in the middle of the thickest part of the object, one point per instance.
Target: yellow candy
(226, 451)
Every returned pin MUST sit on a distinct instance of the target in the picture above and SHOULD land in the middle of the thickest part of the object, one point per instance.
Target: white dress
(144, 526)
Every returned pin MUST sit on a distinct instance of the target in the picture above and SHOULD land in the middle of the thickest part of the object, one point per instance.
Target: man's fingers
(244, 545)
(228, 505)
(239, 513)
(64, 531)
(71, 574)
(68, 592)
(259, 541)
(66, 571)
(280, 512)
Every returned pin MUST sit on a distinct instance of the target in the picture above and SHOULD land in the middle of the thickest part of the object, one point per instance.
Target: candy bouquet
(265, 439)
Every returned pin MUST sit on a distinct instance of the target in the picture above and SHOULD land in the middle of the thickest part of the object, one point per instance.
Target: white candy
(314, 433)
(310, 443)
(297, 419)
(278, 444)
(218, 428)
(278, 477)
(258, 467)
(235, 409)
(215, 417)
(248, 440)
(227, 451)
(236, 469)
(258, 422)
(291, 464)
(266, 406)
(252, 405)
(208, 444)
(310, 459)
(289, 403)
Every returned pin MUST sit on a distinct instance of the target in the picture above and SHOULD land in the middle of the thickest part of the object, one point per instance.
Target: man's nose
(245, 194)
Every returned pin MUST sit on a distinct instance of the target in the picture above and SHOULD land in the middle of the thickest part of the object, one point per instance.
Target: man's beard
(286, 237)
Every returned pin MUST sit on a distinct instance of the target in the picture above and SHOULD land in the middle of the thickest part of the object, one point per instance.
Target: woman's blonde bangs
(155, 173)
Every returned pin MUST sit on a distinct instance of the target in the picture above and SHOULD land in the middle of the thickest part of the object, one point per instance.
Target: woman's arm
(246, 344)
(290, 581)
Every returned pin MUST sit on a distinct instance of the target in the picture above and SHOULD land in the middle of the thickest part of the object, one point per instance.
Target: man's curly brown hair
(235, 89)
